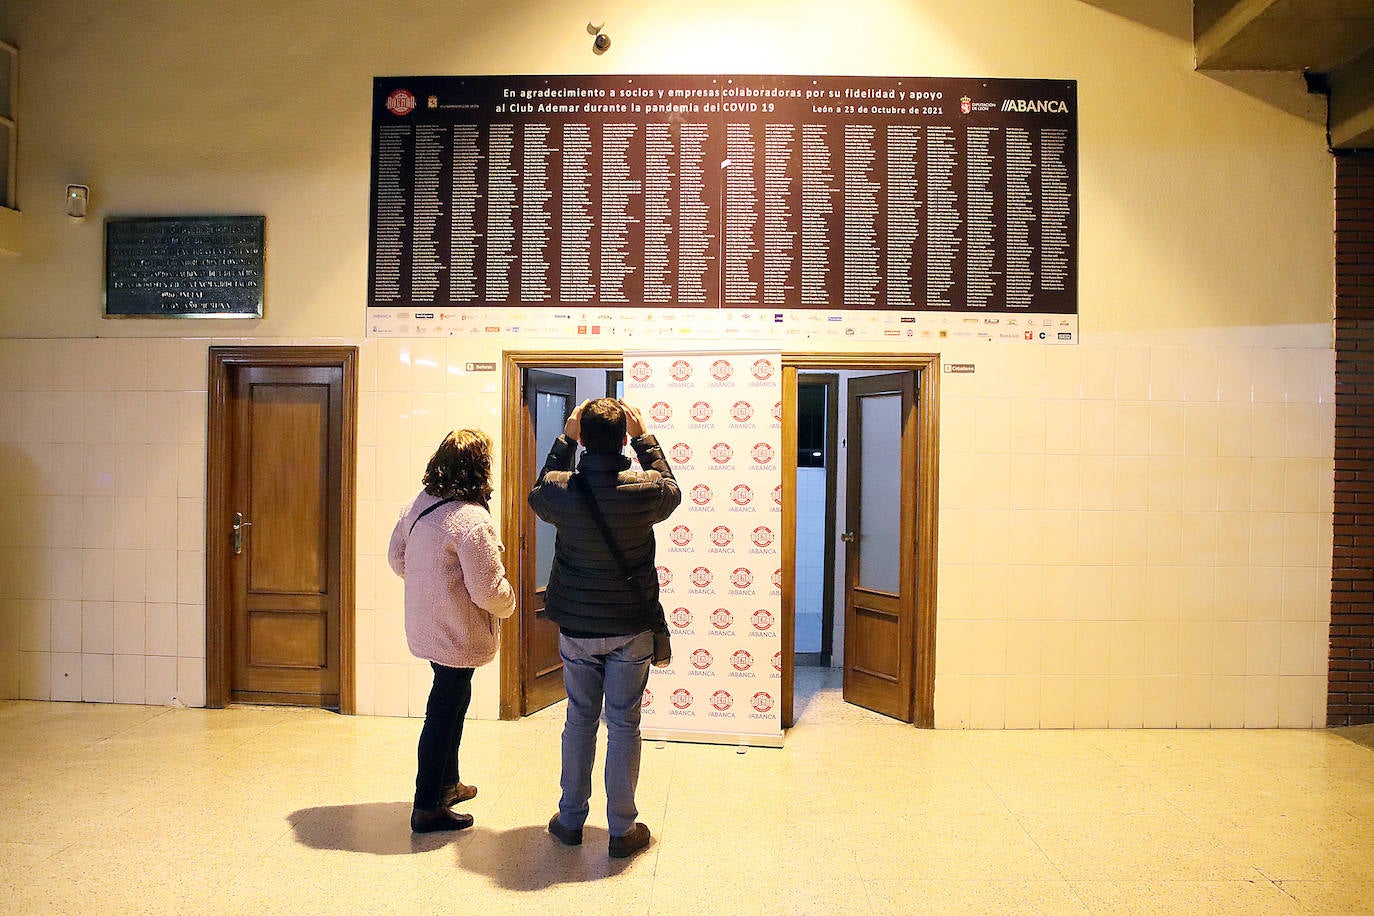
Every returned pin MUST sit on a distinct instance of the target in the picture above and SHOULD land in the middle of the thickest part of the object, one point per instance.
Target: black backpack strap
(583, 487)
(427, 511)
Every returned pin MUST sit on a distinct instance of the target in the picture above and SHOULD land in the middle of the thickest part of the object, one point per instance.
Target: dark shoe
(430, 820)
(623, 847)
(458, 793)
(565, 835)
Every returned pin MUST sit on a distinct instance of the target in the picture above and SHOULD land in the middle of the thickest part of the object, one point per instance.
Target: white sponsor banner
(718, 417)
(743, 327)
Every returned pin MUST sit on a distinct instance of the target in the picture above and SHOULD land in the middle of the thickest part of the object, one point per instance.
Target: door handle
(237, 529)
(849, 537)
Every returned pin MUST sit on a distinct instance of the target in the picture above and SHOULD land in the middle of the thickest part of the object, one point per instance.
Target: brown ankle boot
(457, 793)
(430, 820)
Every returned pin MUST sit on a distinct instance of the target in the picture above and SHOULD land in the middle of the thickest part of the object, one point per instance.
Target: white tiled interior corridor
(157, 809)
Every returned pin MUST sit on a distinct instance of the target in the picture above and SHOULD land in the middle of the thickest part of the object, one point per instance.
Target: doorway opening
(816, 496)
(860, 570)
(279, 526)
(886, 458)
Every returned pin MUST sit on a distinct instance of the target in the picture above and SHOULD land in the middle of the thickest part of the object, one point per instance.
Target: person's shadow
(522, 859)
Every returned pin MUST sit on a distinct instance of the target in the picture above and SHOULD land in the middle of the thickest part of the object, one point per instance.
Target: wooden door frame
(518, 461)
(927, 477)
(218, 580)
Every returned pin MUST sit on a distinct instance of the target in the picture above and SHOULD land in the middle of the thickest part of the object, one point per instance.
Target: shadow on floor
(522, 859)
(375, 828)
(1362, 735)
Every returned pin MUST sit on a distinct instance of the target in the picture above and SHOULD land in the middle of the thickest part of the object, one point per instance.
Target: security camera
(600, 43)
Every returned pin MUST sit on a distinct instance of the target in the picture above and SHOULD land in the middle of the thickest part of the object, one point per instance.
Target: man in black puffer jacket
(604, 623)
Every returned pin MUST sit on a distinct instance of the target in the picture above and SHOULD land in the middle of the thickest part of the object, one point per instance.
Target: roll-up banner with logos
(718, 417)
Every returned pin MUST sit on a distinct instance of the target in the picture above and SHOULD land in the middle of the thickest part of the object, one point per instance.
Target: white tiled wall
(1129, 535)
(102, 485)
(1135, 536)
(412, 392)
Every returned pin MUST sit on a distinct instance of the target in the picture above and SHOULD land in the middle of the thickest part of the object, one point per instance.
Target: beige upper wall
(1201, 207)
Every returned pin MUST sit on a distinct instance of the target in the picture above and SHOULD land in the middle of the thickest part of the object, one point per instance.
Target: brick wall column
(1350, 694)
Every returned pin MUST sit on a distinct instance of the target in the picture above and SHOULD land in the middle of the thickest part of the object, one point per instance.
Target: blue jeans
(609, 671)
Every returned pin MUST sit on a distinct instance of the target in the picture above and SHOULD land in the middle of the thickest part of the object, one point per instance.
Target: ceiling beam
(1212, 43)
(1352, 103)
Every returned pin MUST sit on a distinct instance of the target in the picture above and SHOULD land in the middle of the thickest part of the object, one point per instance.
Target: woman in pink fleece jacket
(446, 549)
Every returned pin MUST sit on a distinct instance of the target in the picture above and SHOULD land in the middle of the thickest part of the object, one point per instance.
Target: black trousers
(441, 734)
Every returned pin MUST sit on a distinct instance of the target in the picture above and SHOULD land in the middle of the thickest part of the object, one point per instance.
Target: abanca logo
(647, 699)
(762, 701)
(742, 494)
(722, 370)
(761, 619)
(762, 536)
(701, 577)
(661, 412)
(762, 452)
(1044, 106)
(680, 452)
(681, 535)
(741, 577)
(701, 412)
(682, 698)
(680, 618)
(721, 452)
(721, 536)
(664, 576)
(701, 494)
(721, 618)
(640, 371)
(762, 369)
(741, 660)
(722, 700)
(741, 411)
(681, 370)
(701, 659)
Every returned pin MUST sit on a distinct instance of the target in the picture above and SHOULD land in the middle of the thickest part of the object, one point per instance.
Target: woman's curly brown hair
(461, 467)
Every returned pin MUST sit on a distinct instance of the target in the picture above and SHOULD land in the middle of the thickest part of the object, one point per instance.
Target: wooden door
(549, 399)
(880, 555)
(281, 533)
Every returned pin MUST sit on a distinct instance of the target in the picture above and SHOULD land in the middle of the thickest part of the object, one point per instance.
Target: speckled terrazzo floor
(109, 808)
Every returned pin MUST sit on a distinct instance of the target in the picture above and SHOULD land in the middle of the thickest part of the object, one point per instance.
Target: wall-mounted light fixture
(601, 41)
(78, 199)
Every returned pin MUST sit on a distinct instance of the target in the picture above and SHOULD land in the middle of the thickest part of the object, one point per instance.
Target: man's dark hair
(461, 467)
(603, 427)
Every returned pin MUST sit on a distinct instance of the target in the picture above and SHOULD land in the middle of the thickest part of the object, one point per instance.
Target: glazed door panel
(880, 606)
(549, 401)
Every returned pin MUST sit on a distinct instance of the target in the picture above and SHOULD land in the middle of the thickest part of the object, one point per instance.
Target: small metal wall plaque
(184, 267)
